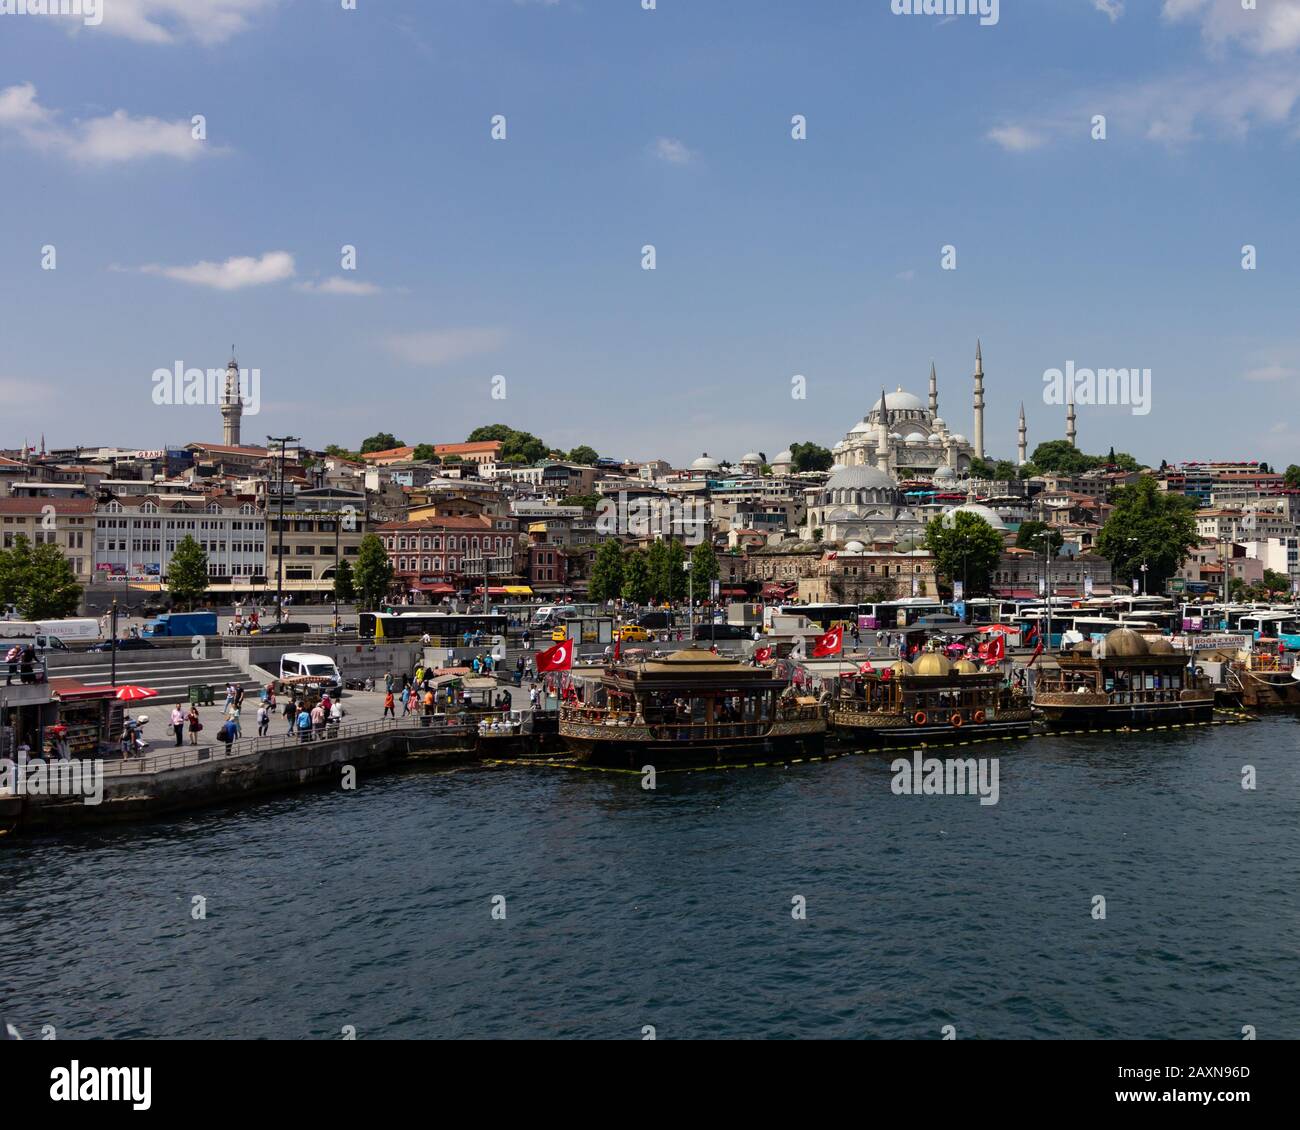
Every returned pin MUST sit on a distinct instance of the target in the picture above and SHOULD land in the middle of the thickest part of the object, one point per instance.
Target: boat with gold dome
(935, 700)
(1123, 679)
(691, 706)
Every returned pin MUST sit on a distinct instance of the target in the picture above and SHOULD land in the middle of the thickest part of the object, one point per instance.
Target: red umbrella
(131, 694)
(1003, 629)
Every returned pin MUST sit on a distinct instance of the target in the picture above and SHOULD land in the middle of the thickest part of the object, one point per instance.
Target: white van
(322, 668)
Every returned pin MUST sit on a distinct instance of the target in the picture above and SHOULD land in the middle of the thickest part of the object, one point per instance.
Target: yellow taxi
(633, 633)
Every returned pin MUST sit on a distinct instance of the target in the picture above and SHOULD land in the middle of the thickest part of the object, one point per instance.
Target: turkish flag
(763, 654)
(1037, 652)
(865, 668)
(832, 643)
(557, 658)
(997, 651)
(1032, 634)
(618, 650)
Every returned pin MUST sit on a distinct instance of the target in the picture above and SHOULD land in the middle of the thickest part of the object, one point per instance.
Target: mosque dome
(860, 428)
(939, 424)
(752, 457)
(900, 401)
(1125, 643)
(784, 457)
(944, 474)
(855, 547)
(958, 439)
(863, 477)
(983, 512)
(917, 437)
(932, 663)
(704, 463)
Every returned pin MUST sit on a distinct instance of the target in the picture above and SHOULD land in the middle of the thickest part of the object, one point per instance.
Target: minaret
(231, 406)
(934, 392)
(1071, 430)
(979, 401)
(1022, 438)
(882, 432)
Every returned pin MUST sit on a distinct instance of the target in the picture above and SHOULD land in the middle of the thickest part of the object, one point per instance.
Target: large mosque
(900, 440)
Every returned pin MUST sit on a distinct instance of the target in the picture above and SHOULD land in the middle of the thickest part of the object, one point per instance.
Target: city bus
(446, 629)
(824, 615)
(1284, 626)
(889, 614)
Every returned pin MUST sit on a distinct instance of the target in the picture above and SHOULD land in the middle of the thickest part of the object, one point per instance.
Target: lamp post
(113, 636)
(690, 600)
(283, 441)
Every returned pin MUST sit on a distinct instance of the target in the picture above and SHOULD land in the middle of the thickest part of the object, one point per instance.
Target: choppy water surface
(627, 908)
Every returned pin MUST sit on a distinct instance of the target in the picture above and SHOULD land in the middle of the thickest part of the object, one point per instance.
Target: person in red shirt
(389, 706)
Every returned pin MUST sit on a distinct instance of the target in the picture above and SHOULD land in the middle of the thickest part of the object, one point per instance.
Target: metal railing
(188, 756)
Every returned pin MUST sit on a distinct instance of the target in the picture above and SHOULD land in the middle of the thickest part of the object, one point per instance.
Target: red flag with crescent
(557, 658)
(832, 643)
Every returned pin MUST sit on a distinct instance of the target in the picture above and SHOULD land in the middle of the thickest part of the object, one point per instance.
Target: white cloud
(1273, 27)
(673, 151)
(1016, 139)
(163, 22)
(339, 285)
(1271, 373)
(439, 347)
(111, 139)
(234, 274)
(1112, 8)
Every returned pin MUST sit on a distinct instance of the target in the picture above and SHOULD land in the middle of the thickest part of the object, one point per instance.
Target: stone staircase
(170, 674)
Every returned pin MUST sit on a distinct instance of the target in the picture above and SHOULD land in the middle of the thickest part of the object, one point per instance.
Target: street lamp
(690, 600)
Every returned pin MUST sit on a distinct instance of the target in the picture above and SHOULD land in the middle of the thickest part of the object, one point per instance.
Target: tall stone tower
(232, 408)
(934, 391)
(1071, 425)
(882, 436)
(979, 401)
(1022, 438)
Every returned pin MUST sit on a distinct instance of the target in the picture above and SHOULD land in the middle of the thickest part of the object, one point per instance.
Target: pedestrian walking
(390, 707)
(263, 720)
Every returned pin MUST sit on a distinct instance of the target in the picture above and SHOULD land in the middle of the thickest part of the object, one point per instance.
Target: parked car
(288, 628)
(633, 633)
(128, 643)
(716, 632)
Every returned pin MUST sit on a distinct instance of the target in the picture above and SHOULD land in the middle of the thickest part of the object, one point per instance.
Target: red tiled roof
(38, 505)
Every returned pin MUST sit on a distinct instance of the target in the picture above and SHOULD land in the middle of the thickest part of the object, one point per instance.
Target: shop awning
(506, 590)
(434, 589)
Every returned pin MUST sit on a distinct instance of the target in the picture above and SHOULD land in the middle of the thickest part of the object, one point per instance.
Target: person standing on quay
(195, 725)
(178, 725)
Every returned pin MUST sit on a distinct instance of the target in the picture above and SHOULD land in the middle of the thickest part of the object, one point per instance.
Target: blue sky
(669, 127)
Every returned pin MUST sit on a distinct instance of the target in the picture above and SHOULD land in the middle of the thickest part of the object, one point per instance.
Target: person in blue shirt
(304, 725)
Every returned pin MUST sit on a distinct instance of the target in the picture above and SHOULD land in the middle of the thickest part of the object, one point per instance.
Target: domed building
(860, 504)
(908, 439)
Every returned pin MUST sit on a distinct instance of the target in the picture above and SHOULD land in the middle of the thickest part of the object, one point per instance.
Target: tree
(1031, 534)
(345, 591)
(424, 453)
(342, 453)
(586, 501)
(374, 572)
(1291, 476)
(675, 558)
(525, 445)
(584, 454)
(656, 560)
(810, 457)
(981, 468)
(606, 580)
(636, 578)
(39, 580)
(187, 574)
(1151, 527)
(966, 548)
(1061, 457)
(1276, 582)
(380, 441)
(704, 567)
(1004, 471)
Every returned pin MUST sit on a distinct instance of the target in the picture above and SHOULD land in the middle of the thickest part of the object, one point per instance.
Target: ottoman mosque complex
(901, 440)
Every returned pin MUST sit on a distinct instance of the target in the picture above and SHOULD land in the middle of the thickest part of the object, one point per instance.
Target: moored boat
(1264, 680)
(936, 701)
(1122, 680)
(692, 706)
